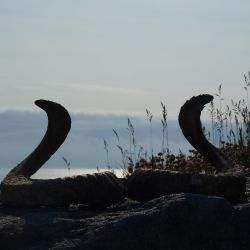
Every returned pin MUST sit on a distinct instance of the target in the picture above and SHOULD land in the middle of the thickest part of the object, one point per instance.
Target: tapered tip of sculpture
(42, 103)
(196, 103)
(190, 124)
(46, 104)
(59, 124)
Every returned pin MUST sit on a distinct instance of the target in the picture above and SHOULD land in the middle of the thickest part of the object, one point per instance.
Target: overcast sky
(112, 59)
(120, 57)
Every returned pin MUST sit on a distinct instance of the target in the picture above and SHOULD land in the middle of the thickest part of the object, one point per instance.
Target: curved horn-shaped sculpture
(190, 124)
(59, 124)
(18, 189)
(146, 184)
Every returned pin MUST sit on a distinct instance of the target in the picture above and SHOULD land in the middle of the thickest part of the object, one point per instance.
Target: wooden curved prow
(190, 124)
(59, 123)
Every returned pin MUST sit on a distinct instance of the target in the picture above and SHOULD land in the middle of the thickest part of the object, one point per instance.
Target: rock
(179, 221)
(147, 184)
(10, 225)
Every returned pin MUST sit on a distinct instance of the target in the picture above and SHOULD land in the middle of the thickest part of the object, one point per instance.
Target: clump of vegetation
(229, 130)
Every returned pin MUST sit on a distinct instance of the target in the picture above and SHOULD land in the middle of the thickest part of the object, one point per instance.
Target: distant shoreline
(52, 173)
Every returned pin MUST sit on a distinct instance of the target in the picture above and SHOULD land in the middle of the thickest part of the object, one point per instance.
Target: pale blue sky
(114, 57)
(121, 56)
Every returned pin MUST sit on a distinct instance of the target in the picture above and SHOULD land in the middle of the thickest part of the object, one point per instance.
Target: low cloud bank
(20, 133)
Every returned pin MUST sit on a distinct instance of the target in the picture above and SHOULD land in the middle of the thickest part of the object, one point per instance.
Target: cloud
(21, 132)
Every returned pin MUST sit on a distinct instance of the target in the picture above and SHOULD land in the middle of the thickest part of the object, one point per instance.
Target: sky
(121, 57)
(107, 60)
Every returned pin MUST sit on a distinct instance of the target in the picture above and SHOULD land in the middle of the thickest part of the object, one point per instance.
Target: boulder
(178, 221)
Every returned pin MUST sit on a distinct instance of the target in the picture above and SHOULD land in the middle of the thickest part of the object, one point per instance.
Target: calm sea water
(52, 173)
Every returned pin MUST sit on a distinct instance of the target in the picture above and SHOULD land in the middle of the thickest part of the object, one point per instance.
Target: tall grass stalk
(247, 86)
(132, 142)
(150, 117)
(123, 152)
(219, 117)
(212, 116)
(164, 129)
(107, 152)
(67, 164)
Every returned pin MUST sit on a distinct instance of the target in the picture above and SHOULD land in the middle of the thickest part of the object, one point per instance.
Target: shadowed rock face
(17, 189)
(179, 222)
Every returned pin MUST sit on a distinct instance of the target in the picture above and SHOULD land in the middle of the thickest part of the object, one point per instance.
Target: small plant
(67, 164)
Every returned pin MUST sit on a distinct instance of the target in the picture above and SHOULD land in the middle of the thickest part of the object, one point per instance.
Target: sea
(53, 173)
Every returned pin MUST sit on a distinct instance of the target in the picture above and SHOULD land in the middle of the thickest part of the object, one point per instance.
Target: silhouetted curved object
(59, 124)
(18, 189)
(146, 184)
(190, 124)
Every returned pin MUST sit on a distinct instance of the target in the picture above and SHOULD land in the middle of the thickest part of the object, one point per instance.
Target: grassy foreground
(229, 131)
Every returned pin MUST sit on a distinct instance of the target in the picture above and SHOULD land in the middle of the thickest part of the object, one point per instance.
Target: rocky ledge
(180, 221)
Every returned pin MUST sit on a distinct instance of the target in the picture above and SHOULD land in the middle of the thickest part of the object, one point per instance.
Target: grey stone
(180, 221)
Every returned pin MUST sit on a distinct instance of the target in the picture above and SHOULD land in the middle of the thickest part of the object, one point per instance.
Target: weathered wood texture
(18, 189)
(144, 185)
(96, 190)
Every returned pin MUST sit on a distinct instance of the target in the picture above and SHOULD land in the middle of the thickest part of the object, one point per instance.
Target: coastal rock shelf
(248, 187)
(180, 221)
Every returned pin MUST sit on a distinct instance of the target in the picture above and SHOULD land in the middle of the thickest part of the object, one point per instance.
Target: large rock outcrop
(180, 222)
